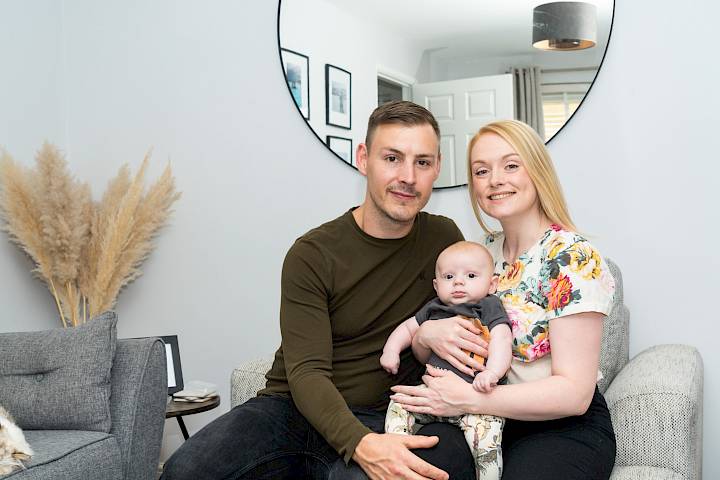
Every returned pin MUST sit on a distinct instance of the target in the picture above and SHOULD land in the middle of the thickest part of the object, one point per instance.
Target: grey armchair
(655, 400)
(137, 400)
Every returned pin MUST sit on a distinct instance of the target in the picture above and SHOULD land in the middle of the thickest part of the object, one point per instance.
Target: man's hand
(388, 456)
(390, 361)
(485, 381)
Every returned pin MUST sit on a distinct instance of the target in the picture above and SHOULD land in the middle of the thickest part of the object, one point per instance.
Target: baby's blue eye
(448, 276)
(471, 275)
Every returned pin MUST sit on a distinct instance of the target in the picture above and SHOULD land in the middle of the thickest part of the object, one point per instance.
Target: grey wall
(201, 81)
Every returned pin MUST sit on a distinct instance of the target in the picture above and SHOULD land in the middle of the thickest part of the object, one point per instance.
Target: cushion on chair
(71, 455)
(247, 379)
(59, 379)
(614, 351)
(644, 473)
(656, 409)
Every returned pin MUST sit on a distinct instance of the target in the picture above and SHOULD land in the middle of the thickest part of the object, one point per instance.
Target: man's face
(401, 166)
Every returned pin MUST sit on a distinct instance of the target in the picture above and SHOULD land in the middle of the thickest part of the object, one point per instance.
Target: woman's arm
(448, 338)
(575, 341)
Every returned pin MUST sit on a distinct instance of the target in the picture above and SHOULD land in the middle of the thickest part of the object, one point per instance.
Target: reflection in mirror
(468, 62)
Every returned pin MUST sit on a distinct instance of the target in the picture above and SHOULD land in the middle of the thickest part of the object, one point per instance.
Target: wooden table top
(178, 409)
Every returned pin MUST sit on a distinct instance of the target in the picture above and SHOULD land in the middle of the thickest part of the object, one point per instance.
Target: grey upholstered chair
(42, 372)
(655, 400)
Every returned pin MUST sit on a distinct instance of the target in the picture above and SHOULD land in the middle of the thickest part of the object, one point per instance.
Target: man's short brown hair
(400, 112)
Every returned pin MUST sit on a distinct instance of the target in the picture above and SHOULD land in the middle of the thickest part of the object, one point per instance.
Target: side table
(180, 409)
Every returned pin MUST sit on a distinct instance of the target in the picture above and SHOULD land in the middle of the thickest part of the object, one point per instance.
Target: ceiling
(461, 27)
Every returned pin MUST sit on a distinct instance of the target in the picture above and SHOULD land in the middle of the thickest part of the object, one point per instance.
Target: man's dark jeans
(268, 438)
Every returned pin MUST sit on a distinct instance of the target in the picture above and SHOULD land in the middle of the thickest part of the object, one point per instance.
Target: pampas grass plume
(21, 213)
(85, 251)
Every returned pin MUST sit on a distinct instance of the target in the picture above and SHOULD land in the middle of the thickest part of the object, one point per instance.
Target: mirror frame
(327, 147)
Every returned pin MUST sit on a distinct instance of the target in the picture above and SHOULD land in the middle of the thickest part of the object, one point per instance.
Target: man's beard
(389, 214)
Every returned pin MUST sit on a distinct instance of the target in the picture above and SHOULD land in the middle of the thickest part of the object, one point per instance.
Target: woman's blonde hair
(536, 159)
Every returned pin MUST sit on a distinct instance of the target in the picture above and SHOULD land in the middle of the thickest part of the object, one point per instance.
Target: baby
(464, 282)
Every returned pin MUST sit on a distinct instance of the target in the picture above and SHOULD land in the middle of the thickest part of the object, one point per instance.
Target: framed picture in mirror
(338, 97)
(342, 147)
(296, 68)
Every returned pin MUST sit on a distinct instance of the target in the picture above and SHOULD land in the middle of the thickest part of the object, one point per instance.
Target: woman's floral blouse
(560, 275)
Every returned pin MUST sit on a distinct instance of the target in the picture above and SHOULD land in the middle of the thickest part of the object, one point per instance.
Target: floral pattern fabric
(483, 434)
(560, 275)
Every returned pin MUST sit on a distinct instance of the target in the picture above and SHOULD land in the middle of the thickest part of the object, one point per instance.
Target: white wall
(31, 49)
(202, 83)
(337, 38)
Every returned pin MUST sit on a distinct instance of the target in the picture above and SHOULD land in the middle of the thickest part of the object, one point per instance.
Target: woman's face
(503, 188)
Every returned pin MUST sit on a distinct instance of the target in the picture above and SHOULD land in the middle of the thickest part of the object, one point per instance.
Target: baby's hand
(485, 381)
(390, 362)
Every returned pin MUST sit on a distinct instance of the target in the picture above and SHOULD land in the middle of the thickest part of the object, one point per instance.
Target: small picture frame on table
(296, 68)
(342, 147)
(338, 97)
(174, 368)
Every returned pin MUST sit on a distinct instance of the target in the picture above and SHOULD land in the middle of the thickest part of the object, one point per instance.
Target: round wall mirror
(468, 62)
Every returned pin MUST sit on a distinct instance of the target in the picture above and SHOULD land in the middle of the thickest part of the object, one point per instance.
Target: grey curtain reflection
(528, 98)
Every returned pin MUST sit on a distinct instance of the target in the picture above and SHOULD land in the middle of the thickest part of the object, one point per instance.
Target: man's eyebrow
(392, 150)
(401, 153)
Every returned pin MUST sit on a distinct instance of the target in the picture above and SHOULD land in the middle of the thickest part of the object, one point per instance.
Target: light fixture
(564, 26)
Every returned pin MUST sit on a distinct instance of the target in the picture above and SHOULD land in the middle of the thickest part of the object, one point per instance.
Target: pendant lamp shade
(565, 26)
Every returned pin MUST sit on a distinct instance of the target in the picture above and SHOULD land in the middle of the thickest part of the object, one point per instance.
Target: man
(345, 286)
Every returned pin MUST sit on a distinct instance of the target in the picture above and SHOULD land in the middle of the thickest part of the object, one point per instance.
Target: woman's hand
(448, 338)
(446, 395)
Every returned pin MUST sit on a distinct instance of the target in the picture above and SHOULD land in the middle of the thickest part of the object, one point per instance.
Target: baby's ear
(435, 284)
(493, 284)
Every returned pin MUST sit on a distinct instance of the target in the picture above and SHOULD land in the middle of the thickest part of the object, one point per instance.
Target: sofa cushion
(70, 455)
(59, 379)
(247, 379)
(644, 473)
(614, 351)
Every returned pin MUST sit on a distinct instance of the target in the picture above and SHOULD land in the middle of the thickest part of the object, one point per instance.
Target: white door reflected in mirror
(468, 62)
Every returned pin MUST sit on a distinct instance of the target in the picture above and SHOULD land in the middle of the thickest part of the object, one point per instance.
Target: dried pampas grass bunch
(85, 251)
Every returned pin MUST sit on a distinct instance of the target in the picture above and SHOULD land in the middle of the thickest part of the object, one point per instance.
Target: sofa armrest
(656, 408)
(247, 379)
(137, 404)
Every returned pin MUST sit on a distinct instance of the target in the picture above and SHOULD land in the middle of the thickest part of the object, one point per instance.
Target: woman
(557, 290)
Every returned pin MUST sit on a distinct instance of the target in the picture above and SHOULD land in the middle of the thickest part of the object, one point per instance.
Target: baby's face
(464, 276)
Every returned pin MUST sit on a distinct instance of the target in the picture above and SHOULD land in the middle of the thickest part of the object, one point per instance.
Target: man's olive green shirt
(343, 293)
